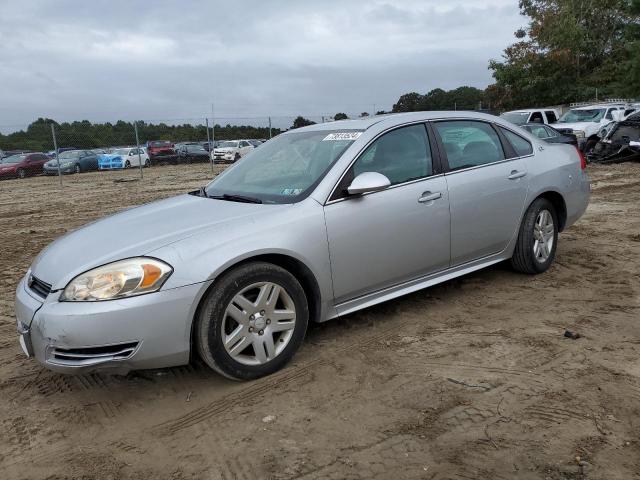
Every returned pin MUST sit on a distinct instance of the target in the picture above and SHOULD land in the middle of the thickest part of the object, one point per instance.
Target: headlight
(578, 133)
(124, 278)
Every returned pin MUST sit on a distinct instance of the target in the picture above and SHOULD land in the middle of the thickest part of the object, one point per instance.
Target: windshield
(121, 151)
(519, 118)
(285, 169)
(69, 155)
(227, 144)
(576, 116)
(13, 159)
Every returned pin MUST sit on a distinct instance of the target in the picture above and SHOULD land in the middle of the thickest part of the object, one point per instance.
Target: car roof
(527, 110)
(394, 119)
(598, 105)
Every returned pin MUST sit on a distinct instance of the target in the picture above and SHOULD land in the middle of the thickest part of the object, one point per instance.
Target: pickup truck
(588, 122)
(533, 115)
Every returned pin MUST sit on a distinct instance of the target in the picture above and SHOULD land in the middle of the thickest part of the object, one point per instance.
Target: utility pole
(269, 128)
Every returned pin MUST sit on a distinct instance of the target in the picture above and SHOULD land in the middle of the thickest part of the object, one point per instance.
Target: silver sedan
(315, 224)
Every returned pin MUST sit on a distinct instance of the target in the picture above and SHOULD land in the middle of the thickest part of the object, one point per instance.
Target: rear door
(487, 181)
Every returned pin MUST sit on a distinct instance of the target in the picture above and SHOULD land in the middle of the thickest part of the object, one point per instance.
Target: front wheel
(538, 238)
(252, 321)
(22, 173)
(77, 168)
(127, 164)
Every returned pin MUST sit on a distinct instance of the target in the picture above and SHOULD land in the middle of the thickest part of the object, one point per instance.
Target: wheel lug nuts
(261, 312)
(250, 329)
(252, 317)
(261, 332)
(268, 321)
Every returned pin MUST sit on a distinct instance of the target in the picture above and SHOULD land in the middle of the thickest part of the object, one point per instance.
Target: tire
(147, 163)
(589, 146)
(22, 173)
(214, 324)
(77, 169)
(127, 164)
(236, 158)
(526, 257)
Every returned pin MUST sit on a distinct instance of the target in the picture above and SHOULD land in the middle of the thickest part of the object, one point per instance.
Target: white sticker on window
(342, 136)
(291, 191)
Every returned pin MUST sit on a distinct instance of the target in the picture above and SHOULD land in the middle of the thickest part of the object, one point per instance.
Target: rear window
(519, 144)
(160, 144)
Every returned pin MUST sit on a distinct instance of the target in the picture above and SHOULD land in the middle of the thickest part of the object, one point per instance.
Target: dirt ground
(471, 379)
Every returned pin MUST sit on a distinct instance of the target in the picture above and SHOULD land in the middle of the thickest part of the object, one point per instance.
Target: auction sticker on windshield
(342, 136)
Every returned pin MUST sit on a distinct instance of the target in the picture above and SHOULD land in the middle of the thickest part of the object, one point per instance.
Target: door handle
(427, 197)
(515, 174)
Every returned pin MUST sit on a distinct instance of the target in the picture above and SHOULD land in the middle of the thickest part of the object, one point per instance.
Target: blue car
(123, 158)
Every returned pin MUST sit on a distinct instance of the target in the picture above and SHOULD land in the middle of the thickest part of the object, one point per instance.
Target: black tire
(523, 259)
(77, 169)
(589, 146)
(236, 158)
(22, 173)
(127, 164)
(147, 163)
(209, 323)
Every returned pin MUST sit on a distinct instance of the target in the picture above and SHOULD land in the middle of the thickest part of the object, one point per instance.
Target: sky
(175, 61)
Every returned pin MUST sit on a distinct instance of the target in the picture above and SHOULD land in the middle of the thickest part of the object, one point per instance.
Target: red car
(160, 148)
(22, 165)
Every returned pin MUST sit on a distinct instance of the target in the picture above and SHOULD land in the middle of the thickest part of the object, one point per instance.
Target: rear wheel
(127, 164)
(537, 240)
(252, 322)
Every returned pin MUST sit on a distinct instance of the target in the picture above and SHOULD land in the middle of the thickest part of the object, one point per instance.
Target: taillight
(583, 161)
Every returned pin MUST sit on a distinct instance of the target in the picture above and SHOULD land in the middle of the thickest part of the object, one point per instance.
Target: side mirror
(368, 182)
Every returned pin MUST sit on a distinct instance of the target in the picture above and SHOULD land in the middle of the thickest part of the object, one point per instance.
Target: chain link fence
(189, 150)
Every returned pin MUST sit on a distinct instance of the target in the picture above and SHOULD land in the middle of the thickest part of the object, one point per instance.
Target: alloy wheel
(258, 323)
(543, 235)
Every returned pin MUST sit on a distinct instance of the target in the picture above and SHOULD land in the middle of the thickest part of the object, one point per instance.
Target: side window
(401, 155)
(469, 143)
(539, 131)
(519, 144)
(609, 115)
(551, 116)
(536, 117)
(551, 133)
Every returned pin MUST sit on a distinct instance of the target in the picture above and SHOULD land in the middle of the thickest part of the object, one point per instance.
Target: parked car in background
(193, 153)
(321, 222)
(157, 148)
(587, 122)
(621, 144)
(72, 161)
(550, 134)
(255, 143)
(126, 157)
(52, 153)
(231, 150)
(22, 165)
(536, 115)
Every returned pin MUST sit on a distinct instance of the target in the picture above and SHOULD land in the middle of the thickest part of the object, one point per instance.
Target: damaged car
(621, 144)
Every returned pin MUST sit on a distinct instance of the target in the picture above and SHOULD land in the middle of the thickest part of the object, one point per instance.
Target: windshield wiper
(235, 198)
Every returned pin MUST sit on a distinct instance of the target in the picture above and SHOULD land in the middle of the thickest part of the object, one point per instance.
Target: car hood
(575, 125)
(136, 232)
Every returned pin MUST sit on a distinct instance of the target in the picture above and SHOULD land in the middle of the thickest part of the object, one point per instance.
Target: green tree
(340, 116)
(570, 49)
(300, 121)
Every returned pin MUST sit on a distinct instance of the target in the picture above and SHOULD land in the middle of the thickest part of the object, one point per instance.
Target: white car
(125, 157)
(533, 115)
(232, 150)
(587, 122)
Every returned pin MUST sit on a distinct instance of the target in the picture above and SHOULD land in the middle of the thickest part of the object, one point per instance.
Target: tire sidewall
(210, 319)
(532, 215)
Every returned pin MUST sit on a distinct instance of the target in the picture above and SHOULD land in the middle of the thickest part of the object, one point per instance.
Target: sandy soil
(470, 379)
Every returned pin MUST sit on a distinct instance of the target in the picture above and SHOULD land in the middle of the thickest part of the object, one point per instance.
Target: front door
(380, 239)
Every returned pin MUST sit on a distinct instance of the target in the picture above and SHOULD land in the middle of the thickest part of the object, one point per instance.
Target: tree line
(85, 134)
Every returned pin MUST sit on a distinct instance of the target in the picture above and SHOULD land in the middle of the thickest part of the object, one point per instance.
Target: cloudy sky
(169, 60)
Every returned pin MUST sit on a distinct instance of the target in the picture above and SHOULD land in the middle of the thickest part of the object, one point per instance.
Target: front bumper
(147, 331)
(54, 171)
